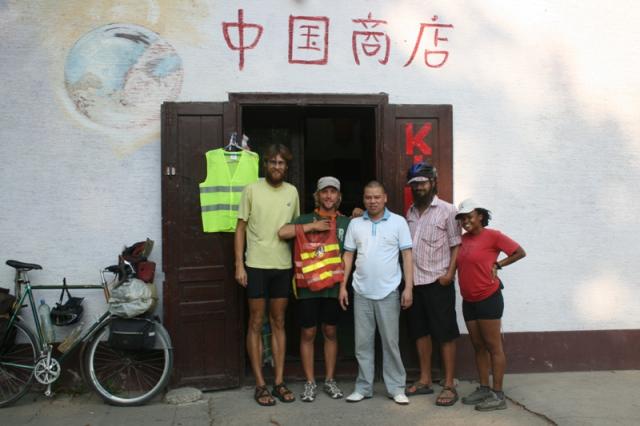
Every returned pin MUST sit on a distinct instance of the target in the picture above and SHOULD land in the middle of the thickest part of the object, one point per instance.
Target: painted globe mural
(118, 75)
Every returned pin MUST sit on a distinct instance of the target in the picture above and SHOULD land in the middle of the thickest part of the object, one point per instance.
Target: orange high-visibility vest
(318, 264)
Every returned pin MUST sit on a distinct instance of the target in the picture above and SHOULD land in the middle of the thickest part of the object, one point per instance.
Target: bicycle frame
(122, 376)
(22, 280)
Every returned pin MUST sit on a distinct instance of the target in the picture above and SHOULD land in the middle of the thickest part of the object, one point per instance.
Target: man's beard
(328, 206)
(422, 198)
(275, 180)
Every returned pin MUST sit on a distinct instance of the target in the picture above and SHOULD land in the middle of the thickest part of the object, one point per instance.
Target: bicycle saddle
(23, 266)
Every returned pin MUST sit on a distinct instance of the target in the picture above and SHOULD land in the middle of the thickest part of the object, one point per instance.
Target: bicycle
(121, 377)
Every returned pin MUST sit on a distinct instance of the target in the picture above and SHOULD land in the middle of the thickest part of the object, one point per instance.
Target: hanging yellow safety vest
(227, 175)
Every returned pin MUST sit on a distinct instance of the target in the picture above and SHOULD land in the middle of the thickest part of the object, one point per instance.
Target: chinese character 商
(369, 40)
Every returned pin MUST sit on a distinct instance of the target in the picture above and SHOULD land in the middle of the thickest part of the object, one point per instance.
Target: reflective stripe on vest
(221, 191)
(317, 263)
(312, 254)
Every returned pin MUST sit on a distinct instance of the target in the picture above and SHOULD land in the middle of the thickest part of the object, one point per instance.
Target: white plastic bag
(132, 298)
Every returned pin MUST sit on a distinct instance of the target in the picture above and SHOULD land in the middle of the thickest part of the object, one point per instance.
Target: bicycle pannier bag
(132, 334)
(6, 340)
(146, 271)
(7, 301)
(138, 252)
(132, 298)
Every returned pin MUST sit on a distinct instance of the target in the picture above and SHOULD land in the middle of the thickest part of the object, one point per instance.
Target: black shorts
(490, 308)
(268, 283)
(318, 310)
(433, 312)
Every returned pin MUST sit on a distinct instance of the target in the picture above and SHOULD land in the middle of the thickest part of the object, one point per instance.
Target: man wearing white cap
(319, 305)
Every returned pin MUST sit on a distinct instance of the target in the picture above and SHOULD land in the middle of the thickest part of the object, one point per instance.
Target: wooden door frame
(389, 150)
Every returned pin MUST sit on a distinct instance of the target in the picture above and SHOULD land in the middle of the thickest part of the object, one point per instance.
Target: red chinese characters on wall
(438, 57)
(371, 43)
(244, 32)
(309, 40)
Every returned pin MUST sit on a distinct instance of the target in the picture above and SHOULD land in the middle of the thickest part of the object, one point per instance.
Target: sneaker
(477, 396)
(356, 397)
(331, 388)
(493, 402)
(401, 399)
(309, 393)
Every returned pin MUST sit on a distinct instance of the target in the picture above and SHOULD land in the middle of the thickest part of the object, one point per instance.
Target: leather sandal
(281, 392)
(419, 389)
(260, 395)
(446, 400)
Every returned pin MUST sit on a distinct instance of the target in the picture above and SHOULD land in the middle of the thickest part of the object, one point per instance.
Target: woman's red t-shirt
(475, 261)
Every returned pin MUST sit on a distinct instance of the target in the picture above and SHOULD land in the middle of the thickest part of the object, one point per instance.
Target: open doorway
(335, 141)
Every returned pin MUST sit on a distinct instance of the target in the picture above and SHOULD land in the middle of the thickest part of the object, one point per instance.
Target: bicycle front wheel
(128, 377)
(18, 357)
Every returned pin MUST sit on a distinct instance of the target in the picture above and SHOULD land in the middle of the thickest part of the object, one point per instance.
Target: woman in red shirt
(482, 303)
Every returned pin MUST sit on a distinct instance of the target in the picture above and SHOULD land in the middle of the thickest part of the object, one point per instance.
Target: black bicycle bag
(7, 300)
(132, 334)
(7, 338)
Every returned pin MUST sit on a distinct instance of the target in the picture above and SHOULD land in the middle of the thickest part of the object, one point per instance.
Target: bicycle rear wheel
(128, 377)
(18, 356)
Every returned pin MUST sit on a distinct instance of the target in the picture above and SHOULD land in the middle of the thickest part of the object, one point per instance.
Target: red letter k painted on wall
(417, 141)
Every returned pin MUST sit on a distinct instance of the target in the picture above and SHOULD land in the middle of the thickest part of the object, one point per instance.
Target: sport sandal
(263, 397)
(448, 396)
(419, 389)
(283, 393)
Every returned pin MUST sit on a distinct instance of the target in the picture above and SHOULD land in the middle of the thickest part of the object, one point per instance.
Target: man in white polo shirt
(378, 237)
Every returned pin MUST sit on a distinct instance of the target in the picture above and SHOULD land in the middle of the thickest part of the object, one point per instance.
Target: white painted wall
(546, 130)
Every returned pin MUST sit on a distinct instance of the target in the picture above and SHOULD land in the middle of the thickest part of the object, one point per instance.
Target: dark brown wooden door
(202, 307)
(413, 133)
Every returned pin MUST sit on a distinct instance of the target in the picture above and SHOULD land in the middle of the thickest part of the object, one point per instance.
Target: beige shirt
(266, 209)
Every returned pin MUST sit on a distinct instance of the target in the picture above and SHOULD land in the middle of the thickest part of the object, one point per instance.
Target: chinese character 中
(242, 29)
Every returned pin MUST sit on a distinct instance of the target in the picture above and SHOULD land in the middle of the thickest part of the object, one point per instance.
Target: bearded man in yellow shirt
(265, 206)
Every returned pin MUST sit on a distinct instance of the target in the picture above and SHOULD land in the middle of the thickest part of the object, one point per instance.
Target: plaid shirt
(433, 235)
